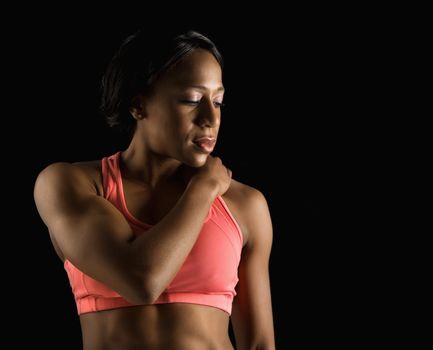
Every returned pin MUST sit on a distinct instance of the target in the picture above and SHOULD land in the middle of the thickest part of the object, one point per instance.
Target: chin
(197, 162)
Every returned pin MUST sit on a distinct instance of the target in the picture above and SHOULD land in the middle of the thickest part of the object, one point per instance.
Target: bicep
(93, 234)
(252, 308)
(88, 230)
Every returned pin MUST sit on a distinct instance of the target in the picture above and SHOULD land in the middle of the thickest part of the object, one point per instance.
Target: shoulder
(60, 186)
(60, 175)
(245, 195)
(249, 207)
(93, 171)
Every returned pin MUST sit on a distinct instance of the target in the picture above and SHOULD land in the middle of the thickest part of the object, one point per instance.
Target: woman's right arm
(95, 236)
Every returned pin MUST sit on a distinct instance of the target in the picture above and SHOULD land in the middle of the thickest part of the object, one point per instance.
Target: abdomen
(164, 326)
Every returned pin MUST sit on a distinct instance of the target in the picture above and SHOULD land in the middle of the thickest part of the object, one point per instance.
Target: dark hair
(141, 58)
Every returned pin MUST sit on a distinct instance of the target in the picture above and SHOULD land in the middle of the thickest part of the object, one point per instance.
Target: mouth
(205, 144)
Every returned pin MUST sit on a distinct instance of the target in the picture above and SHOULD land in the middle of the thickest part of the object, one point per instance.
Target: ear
(137, 109)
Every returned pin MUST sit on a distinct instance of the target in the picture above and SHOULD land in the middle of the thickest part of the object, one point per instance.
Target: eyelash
(189, 102)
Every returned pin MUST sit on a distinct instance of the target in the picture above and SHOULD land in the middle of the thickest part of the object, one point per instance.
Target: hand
(213, 172)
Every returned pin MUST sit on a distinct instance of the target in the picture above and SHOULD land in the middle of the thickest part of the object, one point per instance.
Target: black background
(298, 100)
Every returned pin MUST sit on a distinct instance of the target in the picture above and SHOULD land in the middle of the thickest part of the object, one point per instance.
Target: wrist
(204, 186)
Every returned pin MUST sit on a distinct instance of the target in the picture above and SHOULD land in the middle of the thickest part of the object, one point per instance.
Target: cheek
(173, 123)
(180, 123)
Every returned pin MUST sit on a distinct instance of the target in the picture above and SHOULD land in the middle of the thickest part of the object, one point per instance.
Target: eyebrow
(202, 87)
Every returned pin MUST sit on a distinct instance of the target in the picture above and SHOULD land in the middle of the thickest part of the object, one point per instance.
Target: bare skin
(170, 184)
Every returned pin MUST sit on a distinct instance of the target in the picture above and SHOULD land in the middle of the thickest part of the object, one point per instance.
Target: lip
(205, 144)
(205, 137)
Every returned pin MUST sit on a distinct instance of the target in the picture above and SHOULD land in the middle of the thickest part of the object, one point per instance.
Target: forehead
(198, 67)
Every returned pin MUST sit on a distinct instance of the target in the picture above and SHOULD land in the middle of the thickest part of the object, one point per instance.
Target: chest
(150, 205)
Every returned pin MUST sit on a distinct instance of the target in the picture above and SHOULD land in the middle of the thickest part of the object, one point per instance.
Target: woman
(161, 246)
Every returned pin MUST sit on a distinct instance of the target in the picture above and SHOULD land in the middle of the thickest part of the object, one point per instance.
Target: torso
(162, 326)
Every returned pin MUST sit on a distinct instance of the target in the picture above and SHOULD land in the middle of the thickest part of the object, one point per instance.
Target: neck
(145, 166)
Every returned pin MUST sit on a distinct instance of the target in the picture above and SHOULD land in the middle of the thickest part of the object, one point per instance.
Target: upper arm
(252, 318)
(88, 230)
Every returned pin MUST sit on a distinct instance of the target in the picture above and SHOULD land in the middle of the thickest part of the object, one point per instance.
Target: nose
(209, 115)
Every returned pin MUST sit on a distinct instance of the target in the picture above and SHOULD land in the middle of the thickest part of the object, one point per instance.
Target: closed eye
(194, 103)
(190, 102)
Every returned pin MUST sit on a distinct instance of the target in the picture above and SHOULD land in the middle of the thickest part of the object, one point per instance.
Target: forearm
(161, 251)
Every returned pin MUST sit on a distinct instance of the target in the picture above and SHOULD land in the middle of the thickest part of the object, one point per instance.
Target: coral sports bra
(207, 277)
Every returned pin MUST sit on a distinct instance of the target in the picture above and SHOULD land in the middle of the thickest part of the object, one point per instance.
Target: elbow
(148, 296)
(140, 297)
(145, 292)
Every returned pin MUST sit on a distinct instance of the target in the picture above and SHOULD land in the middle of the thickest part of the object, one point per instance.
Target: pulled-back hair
(141, 58)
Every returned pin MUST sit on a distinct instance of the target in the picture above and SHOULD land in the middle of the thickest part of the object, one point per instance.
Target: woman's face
(183, 113)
